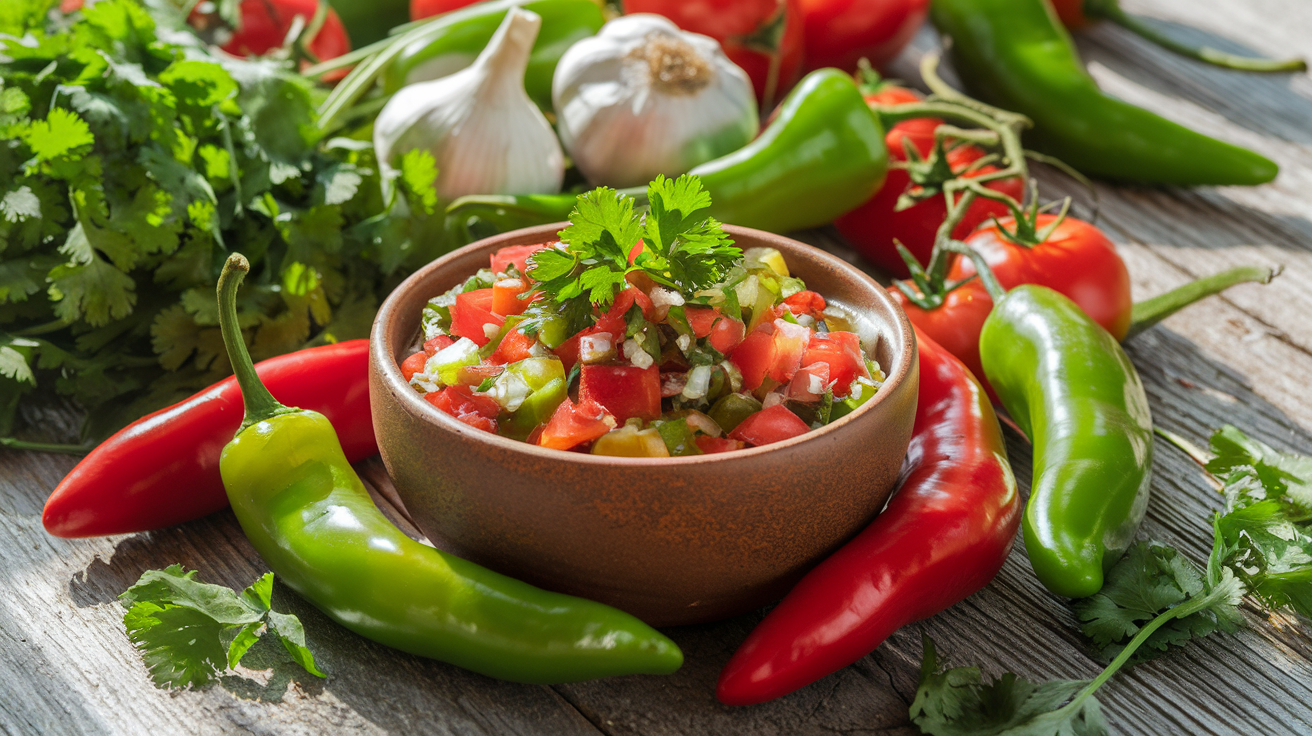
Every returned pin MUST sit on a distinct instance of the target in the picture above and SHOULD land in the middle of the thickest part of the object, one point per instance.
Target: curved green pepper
(306, 512)
(822, 156)
(1071, 388)
(457, 39)
(1014, 54)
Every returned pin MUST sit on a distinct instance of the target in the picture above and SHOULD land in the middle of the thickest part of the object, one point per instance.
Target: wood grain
(66, 666)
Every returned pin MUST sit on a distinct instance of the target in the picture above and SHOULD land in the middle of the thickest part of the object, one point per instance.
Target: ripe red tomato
(767, 426)
(1077, 259)
(840, 33)
(747, 30)
(873, 227)
(956, 324)
(428, 8)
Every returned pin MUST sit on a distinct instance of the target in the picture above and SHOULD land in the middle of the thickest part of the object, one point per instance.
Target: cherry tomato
(767, 426)
(428, 8)
(1077, 259)
(840, 33)
(764, 37)
(873, 227)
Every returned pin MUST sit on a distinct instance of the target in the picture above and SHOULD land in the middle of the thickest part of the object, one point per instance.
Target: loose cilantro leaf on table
(1155, 598)
(682, 250)
(188, 631)
(131, 159)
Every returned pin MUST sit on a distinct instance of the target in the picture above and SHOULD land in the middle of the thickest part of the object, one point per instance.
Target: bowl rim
(414, 404)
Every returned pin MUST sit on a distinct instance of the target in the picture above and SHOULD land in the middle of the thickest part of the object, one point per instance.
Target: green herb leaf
(957, 702)
(189, 631)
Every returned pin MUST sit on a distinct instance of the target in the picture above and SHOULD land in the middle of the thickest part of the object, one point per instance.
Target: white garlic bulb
(643, 98)
(485, 133)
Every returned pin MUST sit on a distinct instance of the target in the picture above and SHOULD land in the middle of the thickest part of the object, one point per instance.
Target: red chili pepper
(163, 469)
(944, 536)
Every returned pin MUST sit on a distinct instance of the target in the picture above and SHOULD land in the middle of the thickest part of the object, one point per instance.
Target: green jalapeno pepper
(308, 515)
(822, 156)
(457, 39)
(1014, 54)
(1072, 390)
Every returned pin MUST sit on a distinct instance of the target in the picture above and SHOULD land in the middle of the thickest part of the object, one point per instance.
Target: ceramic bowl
(670, 540)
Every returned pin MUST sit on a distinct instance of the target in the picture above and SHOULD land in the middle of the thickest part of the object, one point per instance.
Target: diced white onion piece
(665, 298)
(596, 348)
(702, 423)
(684, 342)
(636, 356)
(747, 290)
(442, 366)
(735, 375)
(771, 399)
(511, 284)
(699, 382)
(509, 390)
(491, 329)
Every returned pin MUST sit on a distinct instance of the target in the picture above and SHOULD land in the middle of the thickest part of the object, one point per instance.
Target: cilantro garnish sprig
(1155, 598)
(683, 250)
(188, 631)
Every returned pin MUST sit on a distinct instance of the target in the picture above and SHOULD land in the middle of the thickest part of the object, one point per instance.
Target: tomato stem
(1147, 313)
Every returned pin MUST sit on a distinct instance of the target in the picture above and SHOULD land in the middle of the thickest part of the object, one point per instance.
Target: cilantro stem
(1184, 609)
(43, 329)
(17, 444)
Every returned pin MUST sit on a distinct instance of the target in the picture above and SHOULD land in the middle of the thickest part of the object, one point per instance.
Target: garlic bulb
(643, 98)
(485, 133)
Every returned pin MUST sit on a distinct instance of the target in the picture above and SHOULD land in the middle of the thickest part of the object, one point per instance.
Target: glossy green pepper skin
(308, 515)
(1071, 388)
(1016, 55)
(822, 156)
(456, 40)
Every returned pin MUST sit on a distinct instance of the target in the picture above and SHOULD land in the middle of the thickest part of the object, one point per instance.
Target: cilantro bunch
(1155, 598)
(131, 160)
(682, 250)
(188, 631)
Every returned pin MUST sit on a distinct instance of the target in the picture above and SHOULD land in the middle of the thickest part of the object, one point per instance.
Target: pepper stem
(1111, 10)
(1151, 311)
(260, 404)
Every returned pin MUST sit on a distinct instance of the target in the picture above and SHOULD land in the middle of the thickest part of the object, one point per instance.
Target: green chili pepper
(455, 43)
(730, 411)
(1014, 54)
(1073, 391)
(308, 515)
(821, 157)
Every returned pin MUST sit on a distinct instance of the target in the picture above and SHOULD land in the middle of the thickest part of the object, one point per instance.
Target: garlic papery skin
(484, 132)
(643, 98)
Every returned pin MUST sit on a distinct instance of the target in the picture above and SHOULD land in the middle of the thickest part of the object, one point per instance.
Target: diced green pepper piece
(538, 372)
(862, 393)
(679, 438)
(535, 410)
(450, 359)
(512, 322)
(629, 441)
(730, 411)
(553, 332)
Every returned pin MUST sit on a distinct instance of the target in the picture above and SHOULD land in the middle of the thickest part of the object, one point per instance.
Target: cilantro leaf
(62, 133)
(957, 702)
(189, 631)
(1278, 473)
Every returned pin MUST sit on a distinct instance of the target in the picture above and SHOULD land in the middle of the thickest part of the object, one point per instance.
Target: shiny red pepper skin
(944, 535)
(163, 469)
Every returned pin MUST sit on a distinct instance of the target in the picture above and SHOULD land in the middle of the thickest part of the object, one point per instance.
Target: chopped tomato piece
(441, 341)
(767, 426)
(516, 254)
(613, 320)
(477, 411)
(754, 358)
(414, 364)
(842, 351)
(702, 319)
(790, 342)
(711, 445)
(568, 352)
(471, 314)
(727, 334)
(809, 383)
(474, 375)
(625, 391)
(573, 424)
(806, 302)
(505, 296)
(513, 347)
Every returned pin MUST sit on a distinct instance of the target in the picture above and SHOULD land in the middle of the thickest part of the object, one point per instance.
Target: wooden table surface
(66, 665)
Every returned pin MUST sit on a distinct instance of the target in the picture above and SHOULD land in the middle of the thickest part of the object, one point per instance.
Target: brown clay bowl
(670, 540)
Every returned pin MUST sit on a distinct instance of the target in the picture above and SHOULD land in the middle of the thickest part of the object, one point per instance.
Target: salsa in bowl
(752, 360)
